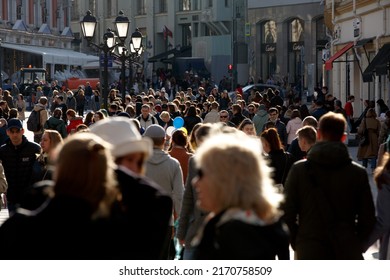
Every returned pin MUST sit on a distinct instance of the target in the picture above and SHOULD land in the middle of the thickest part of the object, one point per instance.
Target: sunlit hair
(332, 126)
(233, 154)
(55, 138)
(244, 122)
(273, 139)
(84, 170)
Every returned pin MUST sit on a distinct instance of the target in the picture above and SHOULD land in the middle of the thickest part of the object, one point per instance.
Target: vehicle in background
(29, 78)
(256, 87)
(75, 83)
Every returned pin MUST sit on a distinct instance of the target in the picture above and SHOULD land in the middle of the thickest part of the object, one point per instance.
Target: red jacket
(348, 109)
(73, 123)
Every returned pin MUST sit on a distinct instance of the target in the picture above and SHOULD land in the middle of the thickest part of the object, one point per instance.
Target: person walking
(18, 156)
(142, 218)
(329, 207)
(243, 221)
(165, 170)
(369, 151)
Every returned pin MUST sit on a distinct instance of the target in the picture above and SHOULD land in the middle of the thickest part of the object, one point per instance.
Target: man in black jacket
(329, 207)
(141, 223)
(18, 156)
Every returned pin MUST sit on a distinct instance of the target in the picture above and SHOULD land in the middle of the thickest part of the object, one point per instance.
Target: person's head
(224, 116)
(331, 127)
(295, 114)
(50, 140)
(307, 137)
(179, 138)
(15, 131)
(271, 140)
(351, 98)
(241, 189)
(70, 113)
(371, 113)
(273, 114)
(128, 147)
(20, 96)
(84, 170)
(236, 109)
(165, 116)
(247, 127)
(157, 134)
(145, 110)
(310, 120)
(13, 113)
(98, 116)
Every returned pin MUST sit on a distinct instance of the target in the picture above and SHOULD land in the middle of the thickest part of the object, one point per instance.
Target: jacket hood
(39, 106)
(158, 157)
(329, 154)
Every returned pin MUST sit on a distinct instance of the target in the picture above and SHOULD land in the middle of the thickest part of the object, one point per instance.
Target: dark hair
(244, 123)
(272, 137)
(57, 113)
(332, 126)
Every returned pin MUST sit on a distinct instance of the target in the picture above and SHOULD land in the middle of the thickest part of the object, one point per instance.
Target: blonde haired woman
(63, 228)
(234, 185)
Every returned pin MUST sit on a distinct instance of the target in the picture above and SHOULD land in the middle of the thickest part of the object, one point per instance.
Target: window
(75, 10)
(185, 5)
(270, 32)
(163, 6)
(141, 8)
(186, 35)
(296, 31)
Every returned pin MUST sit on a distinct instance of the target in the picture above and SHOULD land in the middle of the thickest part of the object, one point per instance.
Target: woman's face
(249, 129)
(203, 188)
(45, 143)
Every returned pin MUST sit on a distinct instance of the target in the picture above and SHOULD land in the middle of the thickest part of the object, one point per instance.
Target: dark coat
(139, 226)
(18, 167)
(56, 124)
(237, 240)
(60, 229)
(346, 188)
(190, 122)
(281, 162)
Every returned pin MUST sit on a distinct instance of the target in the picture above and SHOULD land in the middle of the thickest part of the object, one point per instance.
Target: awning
(165, 56)
(362, 42)
(379, 64)
(329, 62)
(54, 55)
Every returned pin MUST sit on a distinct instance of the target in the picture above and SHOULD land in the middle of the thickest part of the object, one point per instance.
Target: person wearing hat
(165, 170)
(18, 156)
(142, 218)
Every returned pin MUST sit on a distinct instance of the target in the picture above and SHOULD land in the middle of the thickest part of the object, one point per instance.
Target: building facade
(37, 34)
(214, 30)
(287, 41)
(359, 50)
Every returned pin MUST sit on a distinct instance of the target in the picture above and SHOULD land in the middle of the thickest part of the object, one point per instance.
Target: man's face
(273, 116)
(223, 117)
(145, 111)
(15, 135)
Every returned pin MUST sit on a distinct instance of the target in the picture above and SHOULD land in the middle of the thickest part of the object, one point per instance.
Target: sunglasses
(223, 117)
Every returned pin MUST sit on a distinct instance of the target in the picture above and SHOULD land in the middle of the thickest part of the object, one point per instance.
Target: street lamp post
(134, 52)
(88, 27)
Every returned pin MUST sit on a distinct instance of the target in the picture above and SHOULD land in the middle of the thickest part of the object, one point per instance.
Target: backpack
(34, 121)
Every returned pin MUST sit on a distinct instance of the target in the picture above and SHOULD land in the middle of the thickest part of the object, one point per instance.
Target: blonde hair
(249, 185)
(85, 170)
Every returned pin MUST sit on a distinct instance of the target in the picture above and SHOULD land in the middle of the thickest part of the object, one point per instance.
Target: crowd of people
(198, 175)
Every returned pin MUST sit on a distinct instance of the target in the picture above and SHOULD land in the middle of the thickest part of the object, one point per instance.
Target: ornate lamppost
(88, 27)
(132, 54)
